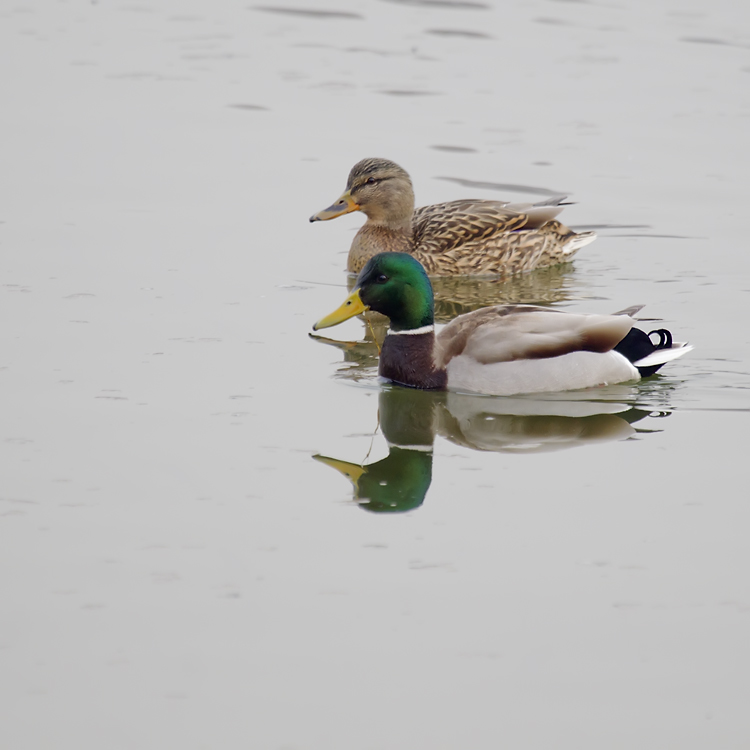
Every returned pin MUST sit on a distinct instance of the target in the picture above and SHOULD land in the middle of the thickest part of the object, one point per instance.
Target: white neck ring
(412, 331)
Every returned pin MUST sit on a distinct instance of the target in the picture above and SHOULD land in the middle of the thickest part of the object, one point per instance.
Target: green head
(394, 284)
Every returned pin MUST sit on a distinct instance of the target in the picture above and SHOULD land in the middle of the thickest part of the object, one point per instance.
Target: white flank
(564, 373)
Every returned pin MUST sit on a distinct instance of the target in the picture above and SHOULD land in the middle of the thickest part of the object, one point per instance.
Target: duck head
(393, 284)
(380, 189)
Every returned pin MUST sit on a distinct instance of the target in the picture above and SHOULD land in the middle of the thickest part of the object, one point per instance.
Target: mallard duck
(501, 350)
(469, 237)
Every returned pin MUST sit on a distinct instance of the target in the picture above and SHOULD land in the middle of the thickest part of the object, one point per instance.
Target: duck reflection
(398, 482)
(394, 484)
(456, 295)
(410, 419)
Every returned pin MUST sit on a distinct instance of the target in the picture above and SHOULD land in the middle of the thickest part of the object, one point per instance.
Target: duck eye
(382, 278)
(371, 180)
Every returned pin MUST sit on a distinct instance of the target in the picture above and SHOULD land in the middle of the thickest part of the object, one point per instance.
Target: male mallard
(460, 237)
(500, 350)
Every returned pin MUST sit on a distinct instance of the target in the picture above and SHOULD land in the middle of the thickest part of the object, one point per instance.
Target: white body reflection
(411, 419)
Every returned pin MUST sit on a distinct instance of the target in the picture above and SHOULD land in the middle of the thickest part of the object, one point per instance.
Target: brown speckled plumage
(463, 237)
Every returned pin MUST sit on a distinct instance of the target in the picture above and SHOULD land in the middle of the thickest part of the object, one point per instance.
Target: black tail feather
(637, 345)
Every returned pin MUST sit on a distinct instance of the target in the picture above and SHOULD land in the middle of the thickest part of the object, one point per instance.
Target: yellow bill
(352, 306)
(344, 205)
(351, 471)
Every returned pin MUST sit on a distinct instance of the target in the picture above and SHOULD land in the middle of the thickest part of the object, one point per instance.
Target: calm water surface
(217, 531)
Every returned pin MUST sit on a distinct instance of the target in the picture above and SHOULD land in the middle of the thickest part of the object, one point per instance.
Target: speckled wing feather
(474, 237)
(506, 333)
(444, 226)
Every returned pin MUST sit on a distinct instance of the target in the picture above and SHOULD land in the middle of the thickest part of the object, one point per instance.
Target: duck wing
(507, 333)
(444, 226)
(538, 214)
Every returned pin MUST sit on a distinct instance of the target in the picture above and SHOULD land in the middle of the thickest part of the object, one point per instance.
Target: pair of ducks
(501, 350)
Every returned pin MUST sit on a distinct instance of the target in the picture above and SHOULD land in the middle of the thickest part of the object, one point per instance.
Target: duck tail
(568, 241)
(577, 241)
(647, 357)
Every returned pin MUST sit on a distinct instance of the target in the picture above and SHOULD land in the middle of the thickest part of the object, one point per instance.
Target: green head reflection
(398, 482)
(395, 484)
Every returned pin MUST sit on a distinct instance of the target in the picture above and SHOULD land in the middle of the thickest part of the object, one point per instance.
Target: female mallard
(501, 350)
(460, 237)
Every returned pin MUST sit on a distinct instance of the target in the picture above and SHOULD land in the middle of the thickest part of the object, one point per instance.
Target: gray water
(179, 566)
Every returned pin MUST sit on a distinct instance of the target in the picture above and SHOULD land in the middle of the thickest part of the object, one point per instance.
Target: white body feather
(567, 372)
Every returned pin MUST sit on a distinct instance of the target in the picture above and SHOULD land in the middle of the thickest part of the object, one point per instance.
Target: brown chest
(371, 240)
(408, 359)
